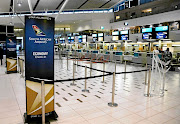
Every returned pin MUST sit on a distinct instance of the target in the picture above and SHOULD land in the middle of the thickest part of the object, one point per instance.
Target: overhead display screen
(115, 33)
(162, 28)
(124, 37)
(161, 35)
(125, 32)
(147, 36)
(144, 30)
(115, 38)
(94, 35)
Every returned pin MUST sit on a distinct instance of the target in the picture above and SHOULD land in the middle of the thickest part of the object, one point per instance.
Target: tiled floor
(76, 107)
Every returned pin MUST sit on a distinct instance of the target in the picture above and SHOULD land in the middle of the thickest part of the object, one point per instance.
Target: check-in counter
(94, 54)
(118, 56)
(128, 57)
(140, 58)
(106, 56)
(150, 56)
(87, 54)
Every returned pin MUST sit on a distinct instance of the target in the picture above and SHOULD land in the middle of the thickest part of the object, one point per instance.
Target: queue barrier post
(103, 71)
(85, 85)
(125, 70)
(90, 68)
(43, 101)
(67, 61)
(73, 84)
(112, 104)
(149, 84)
(115, 67)
(146, 76)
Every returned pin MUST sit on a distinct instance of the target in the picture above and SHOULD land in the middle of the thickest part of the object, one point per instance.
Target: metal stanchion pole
(43, 101)
(73, 84)
(90, 68)
(146, 75)
(85, 85)
(163, 85)
(115, 67)
(125, 70)
(112, 104)
(149, 82)
(67, 61)
(103, 71)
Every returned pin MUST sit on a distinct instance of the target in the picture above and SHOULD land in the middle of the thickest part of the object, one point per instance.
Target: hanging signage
(146, 30)
(124, 35)
(162, 28)
(39, 64)
(162, 32)
(11, 56)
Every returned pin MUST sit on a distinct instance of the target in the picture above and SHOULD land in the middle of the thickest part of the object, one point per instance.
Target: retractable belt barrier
(83, 78)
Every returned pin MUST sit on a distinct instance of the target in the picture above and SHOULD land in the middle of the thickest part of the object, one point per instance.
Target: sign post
(39, 64)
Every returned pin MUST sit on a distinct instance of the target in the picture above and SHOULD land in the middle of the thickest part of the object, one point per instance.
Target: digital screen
(162, 28)
(147, 36)
(80, 36)
(100, 35)
(72, 37)
(94, 39)
(2, 37)
(100, 39)
(80, 40)
(84, 36)
(69, 37)
(124, 37)
(72, 41)
(2, 28)
(94, 35)
(10, 29)
(146, 30)
(115, 38)
(125, 23)
(115, 33)
(84, 40)
(124, 32)
(161, 35)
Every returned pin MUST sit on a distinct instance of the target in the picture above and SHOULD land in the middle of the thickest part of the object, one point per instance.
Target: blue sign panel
(162, 28)
(11, 56)
(161, 35)
(124, 37)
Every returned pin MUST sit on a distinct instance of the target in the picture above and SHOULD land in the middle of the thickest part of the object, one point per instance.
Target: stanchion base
(72, 84)
(147, 95)
(112, 104)
(85, 90)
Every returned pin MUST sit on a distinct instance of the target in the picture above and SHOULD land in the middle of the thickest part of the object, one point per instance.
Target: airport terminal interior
(90, 62)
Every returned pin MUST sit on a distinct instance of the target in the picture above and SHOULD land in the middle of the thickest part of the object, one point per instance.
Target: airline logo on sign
(10, 41)
(38, 31)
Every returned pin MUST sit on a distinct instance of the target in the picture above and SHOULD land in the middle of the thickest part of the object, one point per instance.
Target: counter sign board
(39, 64)
(11, 56)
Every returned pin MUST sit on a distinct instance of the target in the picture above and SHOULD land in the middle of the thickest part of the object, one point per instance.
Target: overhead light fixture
(19, 3)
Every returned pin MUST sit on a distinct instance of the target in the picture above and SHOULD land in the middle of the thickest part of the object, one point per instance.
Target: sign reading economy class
(11, 56)
(39, 64)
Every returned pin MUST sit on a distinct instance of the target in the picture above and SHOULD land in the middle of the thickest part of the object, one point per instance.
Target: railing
(52, 12)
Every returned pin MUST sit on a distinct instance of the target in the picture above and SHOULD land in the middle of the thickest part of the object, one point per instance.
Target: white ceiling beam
(30, 7)
(61, 9)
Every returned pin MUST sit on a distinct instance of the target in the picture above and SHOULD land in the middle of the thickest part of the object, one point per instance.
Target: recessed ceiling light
(74, 22)
(19, 4)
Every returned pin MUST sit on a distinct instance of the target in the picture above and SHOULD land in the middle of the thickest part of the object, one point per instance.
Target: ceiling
(41, 5)
(47, 5)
